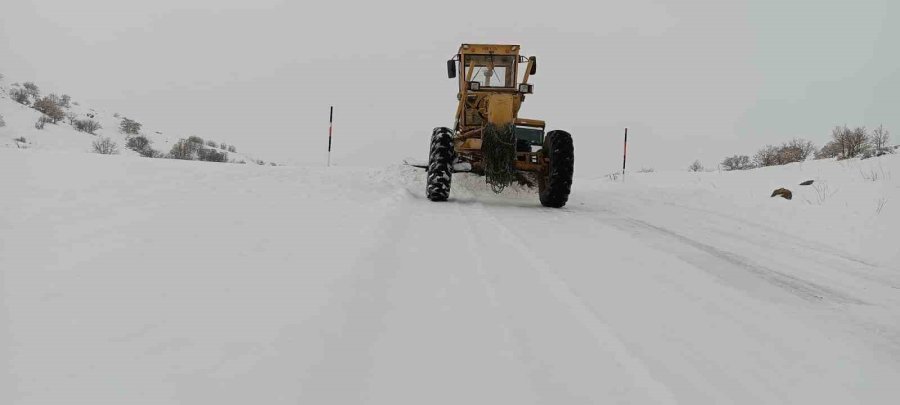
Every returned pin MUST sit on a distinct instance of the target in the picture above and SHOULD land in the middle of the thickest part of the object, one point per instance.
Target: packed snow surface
(126, 280)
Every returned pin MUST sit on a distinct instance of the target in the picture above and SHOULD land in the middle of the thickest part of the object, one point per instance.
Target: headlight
(474, 86)
(526, 88)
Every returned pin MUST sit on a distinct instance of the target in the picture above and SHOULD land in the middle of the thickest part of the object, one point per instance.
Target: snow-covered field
(126, 280)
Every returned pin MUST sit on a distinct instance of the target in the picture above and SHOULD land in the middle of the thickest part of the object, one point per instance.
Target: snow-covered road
(142, 281)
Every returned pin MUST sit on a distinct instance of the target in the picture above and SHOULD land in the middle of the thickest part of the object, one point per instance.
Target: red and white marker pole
(624, 154)
(330, 126)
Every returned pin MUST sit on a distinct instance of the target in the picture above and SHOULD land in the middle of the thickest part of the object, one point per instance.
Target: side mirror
(451, 69)
(533, 64)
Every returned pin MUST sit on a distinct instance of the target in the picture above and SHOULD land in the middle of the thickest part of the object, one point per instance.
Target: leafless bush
(646, 170)
(223, 146)
(129, 126)
(184, 150)
(105, 146)
(737, 162)
(42, 121)
(823, 192)
(32, 90)
(50, 109)
(20, 96)
(695, 167)
(831, 149)
(20, 139)
(2, 123)
(64, 101)
(232, 149)
(881, 139)
(195, 139)
(795, 150)
(212, 144)
(848, 143)
(212, 155)
(87, 125)
(767, 156)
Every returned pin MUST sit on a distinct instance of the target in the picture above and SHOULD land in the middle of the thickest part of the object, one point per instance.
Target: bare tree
(184, 149)
(105, 146)
(767, 156)
(64, 101)
(796, 150)
(49, 107)
(20, 96)
(851, 143)
(129, 126)
(695, 167)
(737, 162)
(32, 90)
(881, 139)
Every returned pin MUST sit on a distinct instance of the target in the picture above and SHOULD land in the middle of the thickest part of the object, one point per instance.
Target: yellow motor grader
(489, 137)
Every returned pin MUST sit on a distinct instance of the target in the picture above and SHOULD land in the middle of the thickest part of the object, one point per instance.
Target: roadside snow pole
(624, 154)
(330, 125)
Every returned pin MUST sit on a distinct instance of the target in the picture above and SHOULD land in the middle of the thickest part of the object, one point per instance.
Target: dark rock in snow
(784, 193)
(807, 183)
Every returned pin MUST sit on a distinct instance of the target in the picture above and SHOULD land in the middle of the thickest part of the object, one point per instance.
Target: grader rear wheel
(555, 184)
(440, 161)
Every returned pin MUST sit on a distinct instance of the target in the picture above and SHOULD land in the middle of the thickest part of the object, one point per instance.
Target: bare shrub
(767, 156)
(737, 162)
(87, 125)
(184, 150)
(137, 143)
(2, 123)
(20, 96)
(851, 143)
(695, 167)
(50, 109)
(129, 126)
(212, 155)
(796, 150)
(212, 144)
(195, 139)
(881, 139)
(32, 90)
(20, 139)
(831, 149)
(232, 149)
(223, 146)
(64, 101)
(646, 170)
(41, 122)
(105, 146)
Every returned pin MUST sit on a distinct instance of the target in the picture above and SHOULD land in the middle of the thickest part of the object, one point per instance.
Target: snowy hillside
(228, 284)
(20, 123)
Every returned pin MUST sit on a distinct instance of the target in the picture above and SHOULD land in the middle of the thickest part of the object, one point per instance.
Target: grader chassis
(489, 138)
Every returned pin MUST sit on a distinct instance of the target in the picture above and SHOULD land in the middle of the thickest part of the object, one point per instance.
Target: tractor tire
(440, 163)
(555, 184)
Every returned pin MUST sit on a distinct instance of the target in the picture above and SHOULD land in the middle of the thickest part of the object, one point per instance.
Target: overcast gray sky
(691, 79)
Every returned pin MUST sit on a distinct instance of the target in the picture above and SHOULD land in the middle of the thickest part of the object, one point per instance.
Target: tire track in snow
(551, 283)
(354, 319)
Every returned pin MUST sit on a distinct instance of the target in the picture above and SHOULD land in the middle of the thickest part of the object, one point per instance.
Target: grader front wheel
(555, 183)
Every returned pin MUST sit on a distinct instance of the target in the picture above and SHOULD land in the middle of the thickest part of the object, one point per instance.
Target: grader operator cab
(489, 137)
